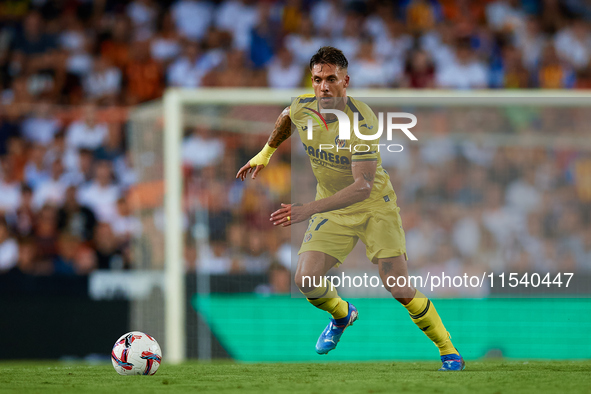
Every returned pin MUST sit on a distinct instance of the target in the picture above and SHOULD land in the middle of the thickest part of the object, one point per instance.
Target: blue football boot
(332, 333)
(452, 362)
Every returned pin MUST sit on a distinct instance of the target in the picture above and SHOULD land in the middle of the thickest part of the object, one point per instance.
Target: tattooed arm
(281, 132)
(364, 173)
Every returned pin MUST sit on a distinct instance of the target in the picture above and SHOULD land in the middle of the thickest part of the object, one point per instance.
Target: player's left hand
(288, 214)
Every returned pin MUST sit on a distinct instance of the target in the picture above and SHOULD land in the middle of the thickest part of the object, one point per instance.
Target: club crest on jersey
(340, 143)
(308, 237)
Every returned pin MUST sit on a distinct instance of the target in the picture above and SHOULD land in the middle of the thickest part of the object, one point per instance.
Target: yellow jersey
(331, 157)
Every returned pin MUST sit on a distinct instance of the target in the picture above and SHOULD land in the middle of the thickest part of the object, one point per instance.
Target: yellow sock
(326, 298)
(425, 316)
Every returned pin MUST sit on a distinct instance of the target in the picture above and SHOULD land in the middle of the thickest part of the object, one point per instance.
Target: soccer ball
(136, 353)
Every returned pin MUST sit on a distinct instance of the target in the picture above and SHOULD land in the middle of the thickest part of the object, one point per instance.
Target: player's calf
(402, 294)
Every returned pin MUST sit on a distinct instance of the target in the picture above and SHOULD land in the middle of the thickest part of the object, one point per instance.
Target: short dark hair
(329, 55)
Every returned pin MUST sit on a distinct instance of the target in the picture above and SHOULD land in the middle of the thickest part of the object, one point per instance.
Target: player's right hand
(257, 163)
(247, 169)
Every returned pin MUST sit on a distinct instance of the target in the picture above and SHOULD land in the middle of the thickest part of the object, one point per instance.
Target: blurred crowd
(63, 193)
(475, 206)
(241, 237)
(69, 69)
(125, 52)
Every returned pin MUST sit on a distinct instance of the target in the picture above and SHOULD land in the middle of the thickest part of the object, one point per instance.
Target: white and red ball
(136, 353)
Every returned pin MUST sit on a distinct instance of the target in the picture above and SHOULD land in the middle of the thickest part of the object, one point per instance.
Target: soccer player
(354, 200)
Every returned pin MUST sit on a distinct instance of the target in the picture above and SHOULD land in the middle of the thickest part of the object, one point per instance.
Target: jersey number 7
(322, 222)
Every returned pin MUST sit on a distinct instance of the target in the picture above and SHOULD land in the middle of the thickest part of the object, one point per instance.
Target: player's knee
(298, 280)
(305, 281)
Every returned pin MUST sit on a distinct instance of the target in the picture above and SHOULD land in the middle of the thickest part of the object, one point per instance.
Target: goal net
(497, 187)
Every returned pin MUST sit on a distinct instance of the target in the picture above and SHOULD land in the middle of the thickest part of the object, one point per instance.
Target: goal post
(173, 245)
(173, 118)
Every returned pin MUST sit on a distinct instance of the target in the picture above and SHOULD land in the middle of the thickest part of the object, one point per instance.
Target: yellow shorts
(336, 235)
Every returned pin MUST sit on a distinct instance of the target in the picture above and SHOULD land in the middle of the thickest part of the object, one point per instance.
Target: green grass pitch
(226, 377)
